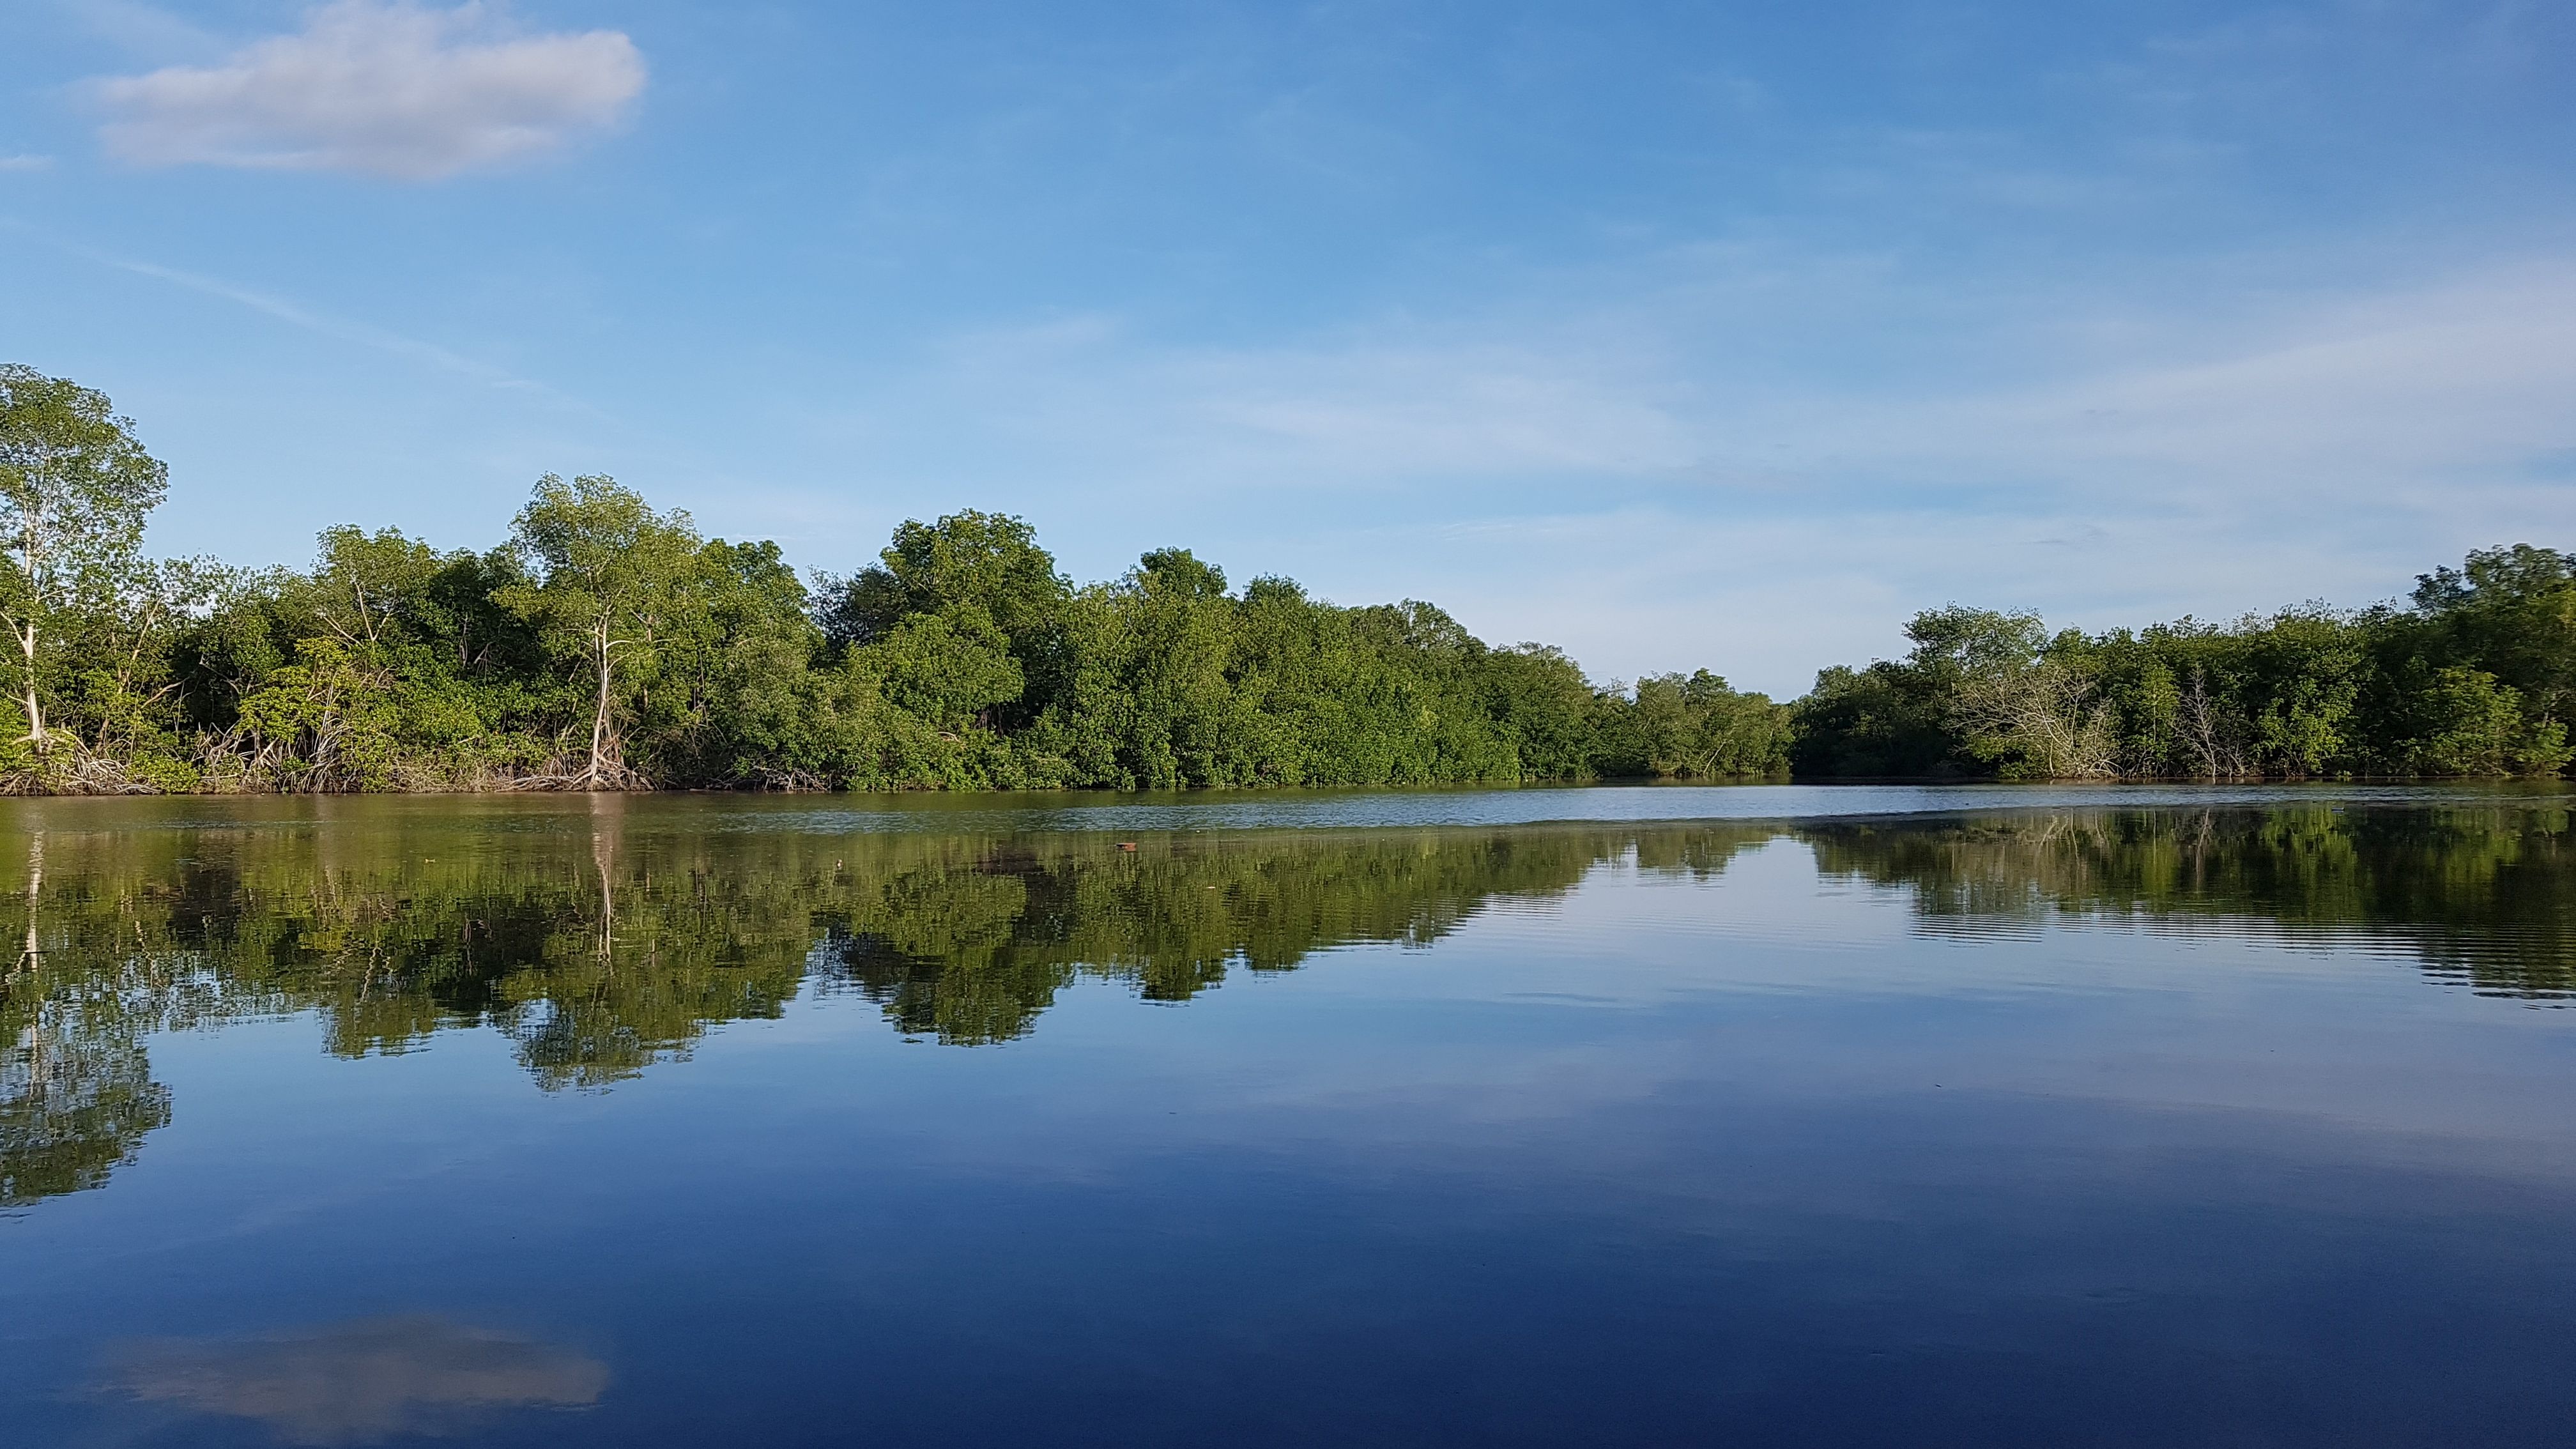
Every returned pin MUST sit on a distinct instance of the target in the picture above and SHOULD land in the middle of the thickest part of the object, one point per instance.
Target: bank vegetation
(604, 644)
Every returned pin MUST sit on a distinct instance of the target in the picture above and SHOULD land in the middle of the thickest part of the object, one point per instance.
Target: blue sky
(1678, 334)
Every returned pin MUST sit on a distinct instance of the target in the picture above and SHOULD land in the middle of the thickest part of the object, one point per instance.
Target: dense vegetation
(607, 645)
(2477, 678)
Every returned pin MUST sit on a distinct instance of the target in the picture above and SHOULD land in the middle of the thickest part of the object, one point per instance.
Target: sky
(1680, 335)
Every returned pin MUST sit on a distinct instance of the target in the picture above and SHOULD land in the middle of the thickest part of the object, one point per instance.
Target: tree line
(2473, 677)
(605, 644)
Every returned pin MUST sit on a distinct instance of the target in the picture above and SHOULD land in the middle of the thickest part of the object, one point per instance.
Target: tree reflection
(603, 951)
(970, 947)
(602, 944)
(76, 1090)
(76, 1099)
(2485, 897)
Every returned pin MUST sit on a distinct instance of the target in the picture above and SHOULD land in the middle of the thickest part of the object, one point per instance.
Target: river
(1648, 1115)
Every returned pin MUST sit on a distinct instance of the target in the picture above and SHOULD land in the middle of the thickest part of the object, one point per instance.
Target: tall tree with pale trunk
(75, 489)
(612, 590)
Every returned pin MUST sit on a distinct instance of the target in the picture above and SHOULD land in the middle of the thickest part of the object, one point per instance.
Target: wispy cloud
(2370, 397)
(324, 324)
(1659, 454)
(388, 89)
(340, 329)
(26, 163)
(1358, 409)
(2385, 389)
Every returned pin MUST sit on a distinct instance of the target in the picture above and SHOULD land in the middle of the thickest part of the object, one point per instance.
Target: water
(1761, 1116)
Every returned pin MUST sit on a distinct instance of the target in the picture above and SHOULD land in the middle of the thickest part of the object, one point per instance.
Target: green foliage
(946, 669)
(616, 584)
(1694, 727)
(606, 645)
(2513, 611)
(75, 489)
(2474, 680)
(2470, 724)
(75, 483)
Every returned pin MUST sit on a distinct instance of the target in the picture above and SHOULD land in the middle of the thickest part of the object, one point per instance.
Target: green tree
(948, 669)
(1695, 726)
(2511, 612)
(2473, 725)
(369, 589)
(611, 590)
(1546, 710)
(75, 489)
(989, 560)
(1918, 716)
(2305, 669)
(739, 702)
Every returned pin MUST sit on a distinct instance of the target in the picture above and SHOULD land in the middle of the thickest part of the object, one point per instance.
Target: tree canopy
(75, 488)
(605, 644)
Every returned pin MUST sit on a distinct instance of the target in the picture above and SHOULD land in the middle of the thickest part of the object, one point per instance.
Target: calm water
(1647, 1116)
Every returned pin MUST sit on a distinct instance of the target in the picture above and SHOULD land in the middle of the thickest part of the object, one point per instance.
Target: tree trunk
(31, 558)
(35, 708)
(599, 716)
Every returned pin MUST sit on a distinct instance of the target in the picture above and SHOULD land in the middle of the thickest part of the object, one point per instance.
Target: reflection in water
(356, 1383)
(601, 945)
(76, 1098)
(971, 948)
(2482, 897)
(76, 1089)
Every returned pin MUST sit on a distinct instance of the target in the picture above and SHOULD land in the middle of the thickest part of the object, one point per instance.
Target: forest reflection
(2483, 898)
(599, 947)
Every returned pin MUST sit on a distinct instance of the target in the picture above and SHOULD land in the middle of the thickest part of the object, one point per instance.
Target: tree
(2039, 720)
(989, 560)
(736, 702)
(2213, 737)
(2306, 667)
(1543, 704)
(1185, 722)
(75, 488)
(1903, 717)
(366, 585)
(946, 669)
(2472, 725)
(2511, 612)
(1699, 727)
(613, 587)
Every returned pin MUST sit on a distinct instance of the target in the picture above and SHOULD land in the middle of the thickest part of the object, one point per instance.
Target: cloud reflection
(361, 1381)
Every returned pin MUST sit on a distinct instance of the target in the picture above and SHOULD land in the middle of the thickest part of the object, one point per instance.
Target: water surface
(1768, 1116)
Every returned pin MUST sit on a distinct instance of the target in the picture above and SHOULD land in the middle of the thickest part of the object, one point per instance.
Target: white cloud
(2390, 392)
(388, 89)
(25, 163)
(2388, 389)
(1417, 405)
(1687, 473)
